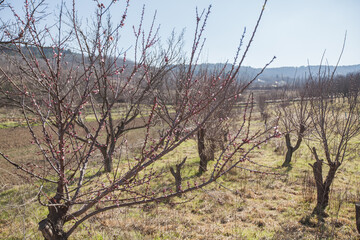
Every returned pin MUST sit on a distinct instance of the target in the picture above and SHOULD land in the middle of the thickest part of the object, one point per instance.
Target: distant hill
(270, 76)
(48, 51)
(285, 74)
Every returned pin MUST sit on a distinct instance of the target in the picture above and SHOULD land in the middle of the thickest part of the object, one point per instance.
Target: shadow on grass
(287, 168)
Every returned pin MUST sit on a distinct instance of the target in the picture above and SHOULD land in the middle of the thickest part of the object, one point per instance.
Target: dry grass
(244, 206)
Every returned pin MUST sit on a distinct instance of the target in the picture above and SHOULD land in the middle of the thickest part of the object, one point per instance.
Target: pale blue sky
(294, 31)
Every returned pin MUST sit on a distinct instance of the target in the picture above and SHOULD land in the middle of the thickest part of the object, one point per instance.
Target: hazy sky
(294, 31)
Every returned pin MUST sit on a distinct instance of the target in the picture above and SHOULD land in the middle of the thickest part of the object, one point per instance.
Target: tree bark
(107, 160)
(290, 148)
(210, 150)
(108, 164)
(317, 170)
(202, 151)
(357, 210)
(322, 187)
(288, 156)
(177, 175)
(52, 226)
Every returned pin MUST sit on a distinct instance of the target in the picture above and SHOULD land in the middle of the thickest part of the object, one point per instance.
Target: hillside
(285, 74)
(269, 77)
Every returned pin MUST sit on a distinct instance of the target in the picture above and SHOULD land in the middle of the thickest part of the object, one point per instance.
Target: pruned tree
(212, 136)
(334, 126)
(91, 101)
(117, 81)
(295, 117)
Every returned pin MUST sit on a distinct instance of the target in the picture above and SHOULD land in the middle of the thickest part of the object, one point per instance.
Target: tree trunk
(108, 164)
(290, 148)
(224, 141)
(323, 192)
(289, 152)
(317, 170)
(357, 209)
(288, 156)
(52, 226)
(210, 150)
(322, 187)
(177, 175)
(107, 160)
(202, 151)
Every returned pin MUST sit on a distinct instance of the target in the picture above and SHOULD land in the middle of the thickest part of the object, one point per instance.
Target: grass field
(242, 205)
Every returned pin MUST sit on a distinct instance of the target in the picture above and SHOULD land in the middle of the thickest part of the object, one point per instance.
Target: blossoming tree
(91, 101)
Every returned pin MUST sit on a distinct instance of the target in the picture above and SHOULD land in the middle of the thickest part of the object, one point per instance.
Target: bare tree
(335, 125)
(118, 80)
(212, 136)
(294, 116)
(62, 91)
(345, 85)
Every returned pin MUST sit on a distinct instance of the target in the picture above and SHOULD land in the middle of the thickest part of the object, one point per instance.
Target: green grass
(10, 124)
